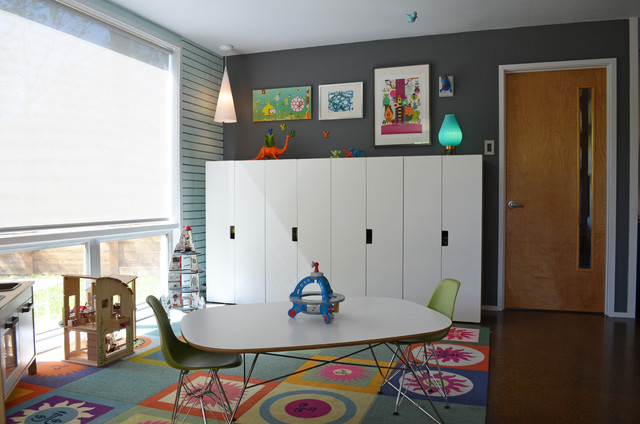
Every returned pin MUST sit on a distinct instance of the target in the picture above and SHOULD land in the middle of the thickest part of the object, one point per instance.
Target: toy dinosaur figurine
(269, 150)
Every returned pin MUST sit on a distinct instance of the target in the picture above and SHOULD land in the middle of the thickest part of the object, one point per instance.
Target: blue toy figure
(322, 307)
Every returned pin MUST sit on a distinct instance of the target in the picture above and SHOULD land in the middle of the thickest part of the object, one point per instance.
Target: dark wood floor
(555, 367)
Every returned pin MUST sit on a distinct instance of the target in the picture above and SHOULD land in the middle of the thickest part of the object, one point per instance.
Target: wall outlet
(489, 147)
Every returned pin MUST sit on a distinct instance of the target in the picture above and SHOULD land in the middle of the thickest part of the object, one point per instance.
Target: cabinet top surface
(10, 295)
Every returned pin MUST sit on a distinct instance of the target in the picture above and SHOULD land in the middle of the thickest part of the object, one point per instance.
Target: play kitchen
(17, 344)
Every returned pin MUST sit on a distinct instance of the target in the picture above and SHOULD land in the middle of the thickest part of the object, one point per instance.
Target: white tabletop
(266, 327)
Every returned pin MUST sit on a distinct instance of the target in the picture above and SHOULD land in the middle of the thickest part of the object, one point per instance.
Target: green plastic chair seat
(183, 356)
(442, 300)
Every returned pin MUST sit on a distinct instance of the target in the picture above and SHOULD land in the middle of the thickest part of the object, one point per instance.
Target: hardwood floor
(548, 367)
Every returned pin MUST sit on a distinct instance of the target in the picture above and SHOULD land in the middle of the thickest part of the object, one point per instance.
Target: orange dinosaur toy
(269, 150)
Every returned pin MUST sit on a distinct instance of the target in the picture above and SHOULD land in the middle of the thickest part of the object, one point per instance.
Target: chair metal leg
(193, 395)
(442, 389)
(183, 373)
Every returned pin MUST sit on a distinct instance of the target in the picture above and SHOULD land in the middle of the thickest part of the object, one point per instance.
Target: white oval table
(264, 328)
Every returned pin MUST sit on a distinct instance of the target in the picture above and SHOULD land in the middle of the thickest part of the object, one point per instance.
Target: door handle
(513, 205)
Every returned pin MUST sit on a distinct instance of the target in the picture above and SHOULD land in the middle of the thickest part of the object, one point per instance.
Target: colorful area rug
(140, 388)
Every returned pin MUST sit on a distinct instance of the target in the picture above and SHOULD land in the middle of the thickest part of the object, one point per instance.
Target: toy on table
(324, 306)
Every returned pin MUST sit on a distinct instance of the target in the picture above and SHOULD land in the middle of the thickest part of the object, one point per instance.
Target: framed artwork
(401, 103)
(280, 104)
(445, 85)
(340, 101)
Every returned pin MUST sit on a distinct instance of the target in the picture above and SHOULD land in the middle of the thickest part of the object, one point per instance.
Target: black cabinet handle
(27, 307)
(11, 323)
(369, 236)
(294, 233)
(232, 232)
(445, 238)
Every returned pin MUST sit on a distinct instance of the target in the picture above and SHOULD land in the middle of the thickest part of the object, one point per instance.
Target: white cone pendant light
(225, 110)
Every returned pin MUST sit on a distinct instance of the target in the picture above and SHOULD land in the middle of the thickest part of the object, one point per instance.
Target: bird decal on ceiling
(411, 17)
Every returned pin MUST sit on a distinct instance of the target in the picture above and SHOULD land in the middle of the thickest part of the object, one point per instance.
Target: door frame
(610, 66)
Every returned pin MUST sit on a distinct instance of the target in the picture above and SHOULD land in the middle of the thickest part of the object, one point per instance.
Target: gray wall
(473, 58)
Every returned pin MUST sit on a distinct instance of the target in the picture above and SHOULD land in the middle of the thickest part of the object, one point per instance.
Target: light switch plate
(489, 147)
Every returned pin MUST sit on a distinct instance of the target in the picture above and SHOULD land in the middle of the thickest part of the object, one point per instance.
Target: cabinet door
(219, 219)
(281, 213)
(348, 226)
(26, 335)
(250, 231)
(314, 216)
(385, 224)
(462, 219)
(422, 227)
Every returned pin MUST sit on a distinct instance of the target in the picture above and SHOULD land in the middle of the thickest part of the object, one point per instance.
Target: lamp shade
(450, 133)
(225, 110)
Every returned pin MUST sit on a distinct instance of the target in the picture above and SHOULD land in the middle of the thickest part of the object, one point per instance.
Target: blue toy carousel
(324, 303)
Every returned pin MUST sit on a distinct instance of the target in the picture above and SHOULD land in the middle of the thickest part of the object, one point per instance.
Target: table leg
(402, 356)
(245, 377)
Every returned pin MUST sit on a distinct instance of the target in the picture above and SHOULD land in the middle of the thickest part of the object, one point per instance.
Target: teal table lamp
(450, 134)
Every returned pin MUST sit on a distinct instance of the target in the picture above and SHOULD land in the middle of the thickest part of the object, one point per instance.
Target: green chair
(186, 358)
(442, 300)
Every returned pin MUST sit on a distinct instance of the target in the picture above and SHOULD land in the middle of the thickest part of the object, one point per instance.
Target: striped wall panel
(200, 137)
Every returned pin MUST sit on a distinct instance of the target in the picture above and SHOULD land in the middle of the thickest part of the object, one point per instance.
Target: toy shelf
(184, 280)
(103, 329)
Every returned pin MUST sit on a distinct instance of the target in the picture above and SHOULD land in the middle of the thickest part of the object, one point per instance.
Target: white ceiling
(253, 26)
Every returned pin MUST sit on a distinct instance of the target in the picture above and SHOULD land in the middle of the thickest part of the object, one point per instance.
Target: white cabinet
(314, 217)
(388, 226)
(384, 226)
(422, 227)
(249, 222)
(348, 226)
(443, 229)
(220, 201)
(462, 221)
(281, 215)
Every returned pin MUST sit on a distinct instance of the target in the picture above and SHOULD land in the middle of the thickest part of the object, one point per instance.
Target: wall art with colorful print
(280, 104)
(340, 101)
(402, 105)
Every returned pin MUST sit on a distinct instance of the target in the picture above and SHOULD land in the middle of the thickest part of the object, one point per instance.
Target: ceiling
(254, 26)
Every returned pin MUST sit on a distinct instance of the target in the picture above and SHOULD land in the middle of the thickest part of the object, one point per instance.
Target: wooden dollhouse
(98, 316)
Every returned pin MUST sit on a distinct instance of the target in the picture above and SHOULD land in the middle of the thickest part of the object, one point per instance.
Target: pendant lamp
(225, 110)
(450, 134)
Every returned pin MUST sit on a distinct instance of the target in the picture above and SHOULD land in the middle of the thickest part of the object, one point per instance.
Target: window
(89, 151)
(88, 123)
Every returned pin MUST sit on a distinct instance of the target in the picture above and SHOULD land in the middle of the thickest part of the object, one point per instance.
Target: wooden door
(556, 178)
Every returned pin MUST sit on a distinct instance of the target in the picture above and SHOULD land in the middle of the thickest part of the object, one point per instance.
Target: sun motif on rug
(62, 412)
(342, 373)
(454, 384)
(57, 368)
(466, 334)
(141, 342)
(453, 354)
